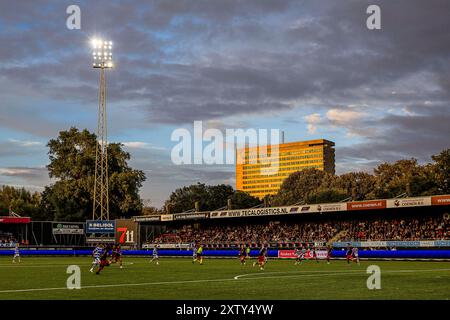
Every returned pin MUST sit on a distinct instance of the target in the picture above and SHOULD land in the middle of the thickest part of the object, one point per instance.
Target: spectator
(433, 228)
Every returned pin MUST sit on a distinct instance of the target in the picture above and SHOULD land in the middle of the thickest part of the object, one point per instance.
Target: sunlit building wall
(260, 171)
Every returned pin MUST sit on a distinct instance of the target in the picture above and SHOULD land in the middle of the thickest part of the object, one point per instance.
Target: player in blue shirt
(96, 255)
(194, 252)
(155, 255)
(16, 253)
(355, 255)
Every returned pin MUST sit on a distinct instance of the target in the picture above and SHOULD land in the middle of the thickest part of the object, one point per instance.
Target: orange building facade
(261, 170)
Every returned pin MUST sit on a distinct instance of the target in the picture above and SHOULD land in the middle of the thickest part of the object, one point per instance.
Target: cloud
(141, 145)
(13, 148)
(231, 64)
(26, 144)
(19, 172)
(312, 121)
(343, 117)
(34, 178)
(418, 134)
(355, 122)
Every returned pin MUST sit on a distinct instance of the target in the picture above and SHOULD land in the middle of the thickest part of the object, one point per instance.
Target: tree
(22, 202)
(183, 199)
(441, 171)
(299, 185)
(403, 176)
(217, 196)
(357, 185)
(209, 198)
(243, 200)
(72, 164)
(148, 209)
(326, 195)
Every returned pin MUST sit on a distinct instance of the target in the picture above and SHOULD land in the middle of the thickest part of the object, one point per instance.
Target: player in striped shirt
(96, 254)
(155, 255)
(355, 255)
(16, 253)
(299, 256)
(194, 252)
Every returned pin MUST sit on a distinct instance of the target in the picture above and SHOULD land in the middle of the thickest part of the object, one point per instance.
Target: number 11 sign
(126, 232)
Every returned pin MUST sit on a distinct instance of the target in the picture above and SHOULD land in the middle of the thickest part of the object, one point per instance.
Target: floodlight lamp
(95, 43)
(102, 53)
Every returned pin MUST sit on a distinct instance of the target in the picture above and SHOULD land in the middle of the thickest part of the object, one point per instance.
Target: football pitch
(224, 279)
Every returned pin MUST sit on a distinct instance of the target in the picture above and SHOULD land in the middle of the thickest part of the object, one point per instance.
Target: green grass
(180, 279)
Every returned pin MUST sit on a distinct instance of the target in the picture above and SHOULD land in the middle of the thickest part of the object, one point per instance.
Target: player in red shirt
(242, 255)
(348, 254)
(117, 255)
(261, 258)
(328, 254)
(104, 262)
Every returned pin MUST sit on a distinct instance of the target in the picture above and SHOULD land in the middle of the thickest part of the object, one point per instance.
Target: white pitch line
(120, 285)
(321, 273)
(214, 280)
(290, 272)
(21, 265)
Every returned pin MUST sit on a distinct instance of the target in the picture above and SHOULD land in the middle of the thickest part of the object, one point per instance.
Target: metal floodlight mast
(102, 59)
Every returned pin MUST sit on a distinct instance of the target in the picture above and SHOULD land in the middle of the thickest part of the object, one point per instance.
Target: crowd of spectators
(430, 228)
(404, 229)
(7, 240)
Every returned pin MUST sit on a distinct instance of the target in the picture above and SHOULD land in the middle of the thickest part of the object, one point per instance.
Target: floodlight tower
(102, 59)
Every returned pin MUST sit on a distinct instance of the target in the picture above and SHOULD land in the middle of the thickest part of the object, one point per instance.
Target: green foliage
(299, 185)
(22, 202)
(324, 195)
(358, 185)
(403, 176)
(388, 180)
(72, 164)
(209, 198)
(441, 171)
(242, 200)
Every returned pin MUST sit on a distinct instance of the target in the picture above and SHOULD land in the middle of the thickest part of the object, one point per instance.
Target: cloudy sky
(310, 68)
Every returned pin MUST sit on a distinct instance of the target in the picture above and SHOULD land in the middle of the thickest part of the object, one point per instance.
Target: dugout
(54, 233)
(14, 229)
(41, 233)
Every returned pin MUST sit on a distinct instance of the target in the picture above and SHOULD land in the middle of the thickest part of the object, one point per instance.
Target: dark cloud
(33, 178)
(268, 53)
(419, 132)
(184, 60)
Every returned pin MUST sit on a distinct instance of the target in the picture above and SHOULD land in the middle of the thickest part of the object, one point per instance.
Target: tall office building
(261, 171)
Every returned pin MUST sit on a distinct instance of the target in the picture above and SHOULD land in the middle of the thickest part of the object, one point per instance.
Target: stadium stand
(400, 229)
